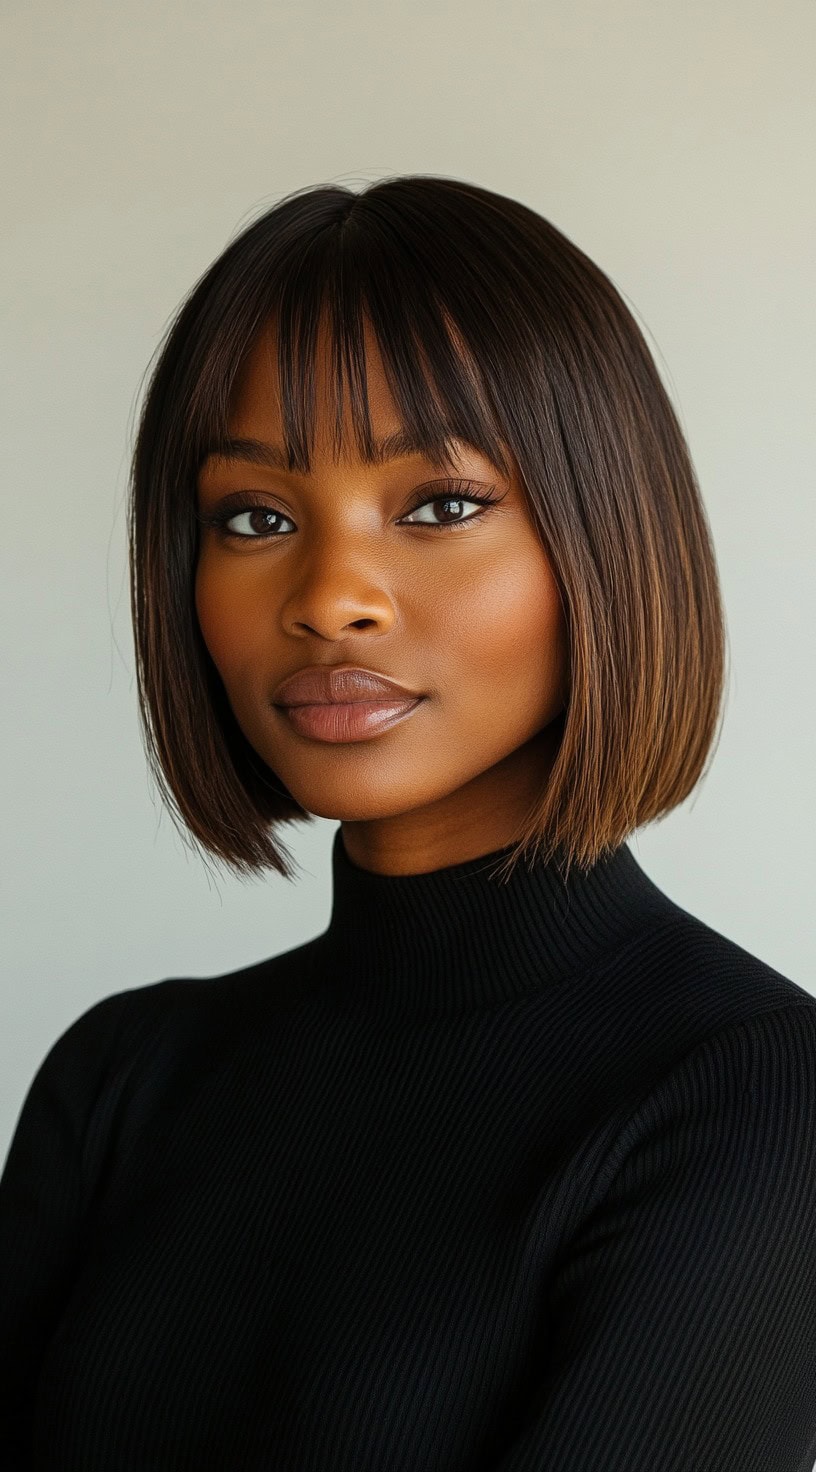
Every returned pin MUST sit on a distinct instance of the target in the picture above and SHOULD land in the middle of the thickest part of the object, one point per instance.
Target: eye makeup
(239, 503)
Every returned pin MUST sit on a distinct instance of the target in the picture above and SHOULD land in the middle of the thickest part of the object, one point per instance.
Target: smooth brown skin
(470, 617)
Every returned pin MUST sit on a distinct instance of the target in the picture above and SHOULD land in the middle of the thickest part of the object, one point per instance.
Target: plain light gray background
(672, 142)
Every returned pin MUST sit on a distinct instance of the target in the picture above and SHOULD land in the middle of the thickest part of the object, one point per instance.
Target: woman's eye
(456, 519)
(260, 519)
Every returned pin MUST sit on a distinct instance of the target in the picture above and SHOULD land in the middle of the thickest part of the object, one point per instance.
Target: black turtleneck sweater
(484, 1178)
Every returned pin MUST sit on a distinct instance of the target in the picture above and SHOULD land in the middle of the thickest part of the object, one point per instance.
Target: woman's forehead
(257, 394)
(330, 397)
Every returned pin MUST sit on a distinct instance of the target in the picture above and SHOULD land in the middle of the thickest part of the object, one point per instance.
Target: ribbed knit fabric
(485, 1178)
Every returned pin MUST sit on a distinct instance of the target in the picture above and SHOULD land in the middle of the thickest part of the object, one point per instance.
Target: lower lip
(353, 722)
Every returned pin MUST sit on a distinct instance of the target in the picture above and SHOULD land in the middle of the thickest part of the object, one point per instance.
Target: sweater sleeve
(684, 1306)
(45, 1191)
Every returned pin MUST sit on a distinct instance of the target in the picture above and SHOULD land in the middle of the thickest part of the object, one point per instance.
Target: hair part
(496, 329)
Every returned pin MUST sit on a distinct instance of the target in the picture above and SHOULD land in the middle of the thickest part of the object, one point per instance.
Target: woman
(513, 1167)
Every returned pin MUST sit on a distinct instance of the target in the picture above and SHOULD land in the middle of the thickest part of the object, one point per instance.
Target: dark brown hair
(496, 329)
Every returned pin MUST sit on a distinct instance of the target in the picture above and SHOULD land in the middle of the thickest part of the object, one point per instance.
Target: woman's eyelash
(450, 491)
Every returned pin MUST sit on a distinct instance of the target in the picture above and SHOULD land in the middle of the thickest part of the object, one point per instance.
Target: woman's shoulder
(680, 1010)
(111, 1034)
(686, 1011)
(711, 976)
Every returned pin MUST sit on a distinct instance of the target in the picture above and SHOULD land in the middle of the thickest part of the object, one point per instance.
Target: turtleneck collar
(456, 939)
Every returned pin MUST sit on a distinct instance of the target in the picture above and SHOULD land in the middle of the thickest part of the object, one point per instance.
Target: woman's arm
(684, 1310)
(45, 1192)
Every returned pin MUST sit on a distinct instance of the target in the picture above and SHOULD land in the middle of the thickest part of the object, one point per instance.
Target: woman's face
(335, 567)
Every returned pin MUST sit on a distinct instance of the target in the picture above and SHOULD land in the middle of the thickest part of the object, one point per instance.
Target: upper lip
(343, 684)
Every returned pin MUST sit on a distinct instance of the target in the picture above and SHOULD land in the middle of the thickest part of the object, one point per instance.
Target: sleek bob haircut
(496, 329)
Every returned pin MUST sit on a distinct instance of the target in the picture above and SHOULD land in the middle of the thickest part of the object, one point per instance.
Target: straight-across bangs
(496, 330)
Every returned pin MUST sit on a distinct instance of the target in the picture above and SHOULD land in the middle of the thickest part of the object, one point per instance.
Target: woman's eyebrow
(393, 446)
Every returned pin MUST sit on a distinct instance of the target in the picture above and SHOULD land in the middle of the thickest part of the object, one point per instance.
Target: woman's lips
(357, 721)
